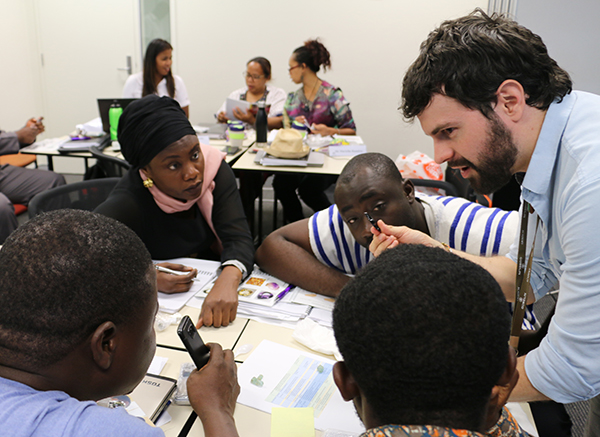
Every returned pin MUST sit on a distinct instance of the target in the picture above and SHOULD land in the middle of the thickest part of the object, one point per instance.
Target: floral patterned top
(329, 107)
(507, 426)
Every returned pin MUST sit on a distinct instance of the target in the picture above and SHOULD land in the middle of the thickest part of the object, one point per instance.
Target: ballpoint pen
(372, 221)
(284, 292)
(174, 272)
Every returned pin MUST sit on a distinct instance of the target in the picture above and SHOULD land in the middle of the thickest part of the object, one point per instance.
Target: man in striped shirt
(319, 253)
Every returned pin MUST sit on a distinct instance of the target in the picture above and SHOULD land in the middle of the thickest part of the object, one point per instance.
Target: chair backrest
(85, 195)
(449, 189)
(112, 166)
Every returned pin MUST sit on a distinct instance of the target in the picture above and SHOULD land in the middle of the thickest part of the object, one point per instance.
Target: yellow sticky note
(292, 422)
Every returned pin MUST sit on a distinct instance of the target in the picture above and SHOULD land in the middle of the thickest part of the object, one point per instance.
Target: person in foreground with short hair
(418, 360)
(77, 304)
(496, 105)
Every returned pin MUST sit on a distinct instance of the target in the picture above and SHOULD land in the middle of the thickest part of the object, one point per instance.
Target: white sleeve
(133, 86)
(181, 94)
(276, 98)
(233, 95)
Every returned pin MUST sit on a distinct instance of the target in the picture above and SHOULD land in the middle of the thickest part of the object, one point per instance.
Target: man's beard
(495, 162)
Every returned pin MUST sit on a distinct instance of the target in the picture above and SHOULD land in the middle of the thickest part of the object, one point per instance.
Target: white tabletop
(225, 336)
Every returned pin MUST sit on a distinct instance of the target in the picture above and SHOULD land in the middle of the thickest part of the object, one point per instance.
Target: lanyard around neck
(523, 285)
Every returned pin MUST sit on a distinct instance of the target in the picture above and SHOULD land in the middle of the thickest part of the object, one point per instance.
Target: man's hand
(392, 236)
(220, 305)
(213, 391)
(169, 283)
(28, 133)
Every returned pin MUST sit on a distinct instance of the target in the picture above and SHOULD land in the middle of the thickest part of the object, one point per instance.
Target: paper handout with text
(292, 378)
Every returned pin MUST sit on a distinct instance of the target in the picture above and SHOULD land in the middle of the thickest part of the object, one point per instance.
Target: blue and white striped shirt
(461, 224)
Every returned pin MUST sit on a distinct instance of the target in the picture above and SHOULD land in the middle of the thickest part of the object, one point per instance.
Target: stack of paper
(207, 271)
(301, 296)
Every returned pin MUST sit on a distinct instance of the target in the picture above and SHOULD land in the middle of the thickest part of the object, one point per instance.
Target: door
(84, 45)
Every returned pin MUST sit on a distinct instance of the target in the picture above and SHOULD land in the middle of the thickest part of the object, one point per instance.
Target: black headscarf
(148, 126)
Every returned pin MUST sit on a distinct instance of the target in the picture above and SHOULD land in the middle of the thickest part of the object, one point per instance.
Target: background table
(36, 149)
(331, 166)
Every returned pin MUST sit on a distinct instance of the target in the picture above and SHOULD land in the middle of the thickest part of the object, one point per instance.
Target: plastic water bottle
(114, 113)
(261, 125)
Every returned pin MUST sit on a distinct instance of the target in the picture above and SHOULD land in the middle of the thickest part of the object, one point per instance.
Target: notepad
(207, 270)
(292, 422)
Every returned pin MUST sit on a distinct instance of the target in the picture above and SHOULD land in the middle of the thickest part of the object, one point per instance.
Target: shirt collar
(537, 178)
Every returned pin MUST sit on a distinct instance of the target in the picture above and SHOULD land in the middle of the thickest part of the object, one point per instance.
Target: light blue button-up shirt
(563, 186)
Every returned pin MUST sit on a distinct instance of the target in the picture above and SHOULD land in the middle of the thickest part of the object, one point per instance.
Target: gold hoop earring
(148, 183)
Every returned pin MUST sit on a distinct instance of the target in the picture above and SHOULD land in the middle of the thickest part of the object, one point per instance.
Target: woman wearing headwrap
(181, 198)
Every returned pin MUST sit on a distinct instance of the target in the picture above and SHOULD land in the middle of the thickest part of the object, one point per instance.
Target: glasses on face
(295, 66)
(252, 76)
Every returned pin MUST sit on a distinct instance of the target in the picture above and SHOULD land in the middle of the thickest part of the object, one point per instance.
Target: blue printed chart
(295, 379)
(308, 383)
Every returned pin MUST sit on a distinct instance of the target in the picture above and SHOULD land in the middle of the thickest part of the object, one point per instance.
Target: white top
(135, 83)
(275, 97)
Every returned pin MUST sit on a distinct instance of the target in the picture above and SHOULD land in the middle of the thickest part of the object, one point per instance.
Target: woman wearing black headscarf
(181, 198)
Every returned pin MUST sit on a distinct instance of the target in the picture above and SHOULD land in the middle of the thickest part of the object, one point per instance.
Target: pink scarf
(212, 162)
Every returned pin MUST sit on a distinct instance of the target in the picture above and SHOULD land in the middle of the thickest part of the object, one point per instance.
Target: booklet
(148, 399)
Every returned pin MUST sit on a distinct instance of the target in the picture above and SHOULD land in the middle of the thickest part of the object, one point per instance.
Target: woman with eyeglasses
(318, 103)
(157, 77)
(257, 74)
(323, 108)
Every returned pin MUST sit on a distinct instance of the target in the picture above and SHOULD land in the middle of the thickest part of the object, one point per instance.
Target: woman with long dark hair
(157, 77)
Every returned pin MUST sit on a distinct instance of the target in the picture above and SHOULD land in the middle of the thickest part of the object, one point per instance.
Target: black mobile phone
(188, 333)
(372, 221)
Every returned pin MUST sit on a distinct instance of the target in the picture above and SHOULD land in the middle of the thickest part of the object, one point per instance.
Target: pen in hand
(174, 272)
(372, 221)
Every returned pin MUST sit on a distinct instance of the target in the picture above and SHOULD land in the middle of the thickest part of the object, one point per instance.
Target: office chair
(448, 188)
(86, 195)
(110, 166)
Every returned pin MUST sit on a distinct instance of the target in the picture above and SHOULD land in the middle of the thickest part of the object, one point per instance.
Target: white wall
(372, 43)
(571, 33)
(20, 90)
